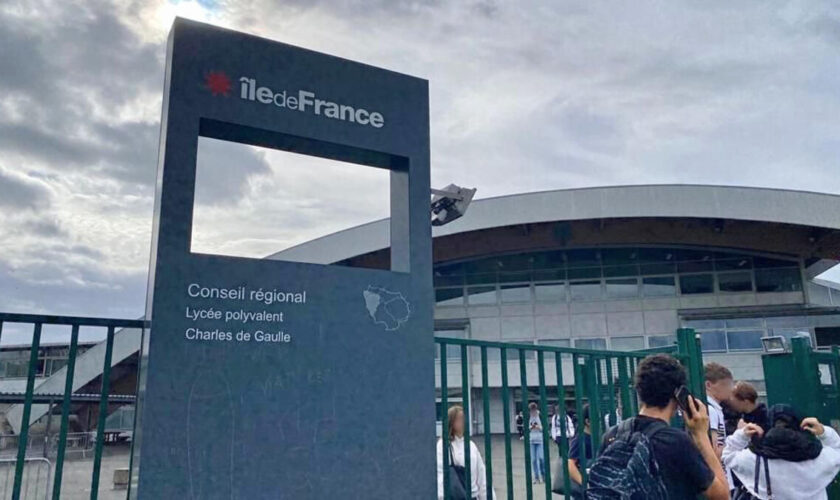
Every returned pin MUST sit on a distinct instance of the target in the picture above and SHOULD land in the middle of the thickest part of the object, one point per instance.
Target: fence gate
(540, 373)
(807, 380)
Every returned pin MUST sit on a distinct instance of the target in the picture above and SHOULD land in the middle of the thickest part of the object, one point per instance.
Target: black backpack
(627, 469)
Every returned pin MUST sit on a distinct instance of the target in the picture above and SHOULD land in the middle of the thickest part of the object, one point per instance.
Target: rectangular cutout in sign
(252, 201)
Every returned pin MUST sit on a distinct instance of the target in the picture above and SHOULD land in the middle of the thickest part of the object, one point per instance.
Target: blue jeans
(537, 461)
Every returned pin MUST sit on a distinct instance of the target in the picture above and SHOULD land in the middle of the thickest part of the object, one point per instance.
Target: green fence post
(465, 396)
(634, 397)
(485, 397)
(526, 416)
(103, 413)
(596, 418)
(506, 420)
(564, 438)
(688, 347)
(65, 412)
(23, 436)
(806, 382)
(545, 424)
(624, 388)
(579, 391)
(444, 417)
(611, 400)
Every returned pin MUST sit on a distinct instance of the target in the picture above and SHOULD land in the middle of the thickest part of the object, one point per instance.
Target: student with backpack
(645, 458)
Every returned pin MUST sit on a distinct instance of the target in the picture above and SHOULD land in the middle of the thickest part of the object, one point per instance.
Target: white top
(789, 480)
(556, 427)
(716, 421)
(478, 476)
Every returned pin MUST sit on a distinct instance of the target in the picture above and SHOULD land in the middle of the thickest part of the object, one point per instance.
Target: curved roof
(656, 201)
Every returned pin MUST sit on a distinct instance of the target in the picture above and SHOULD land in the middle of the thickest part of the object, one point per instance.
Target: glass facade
(585, 275)
(615, 298)
(744, 334)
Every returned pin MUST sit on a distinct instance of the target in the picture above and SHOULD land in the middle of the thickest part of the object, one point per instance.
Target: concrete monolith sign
(283, 380)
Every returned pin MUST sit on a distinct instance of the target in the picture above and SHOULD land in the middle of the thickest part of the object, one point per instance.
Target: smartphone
(681, 395)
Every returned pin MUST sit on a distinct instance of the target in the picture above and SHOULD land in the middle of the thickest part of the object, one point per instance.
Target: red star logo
(218, 83)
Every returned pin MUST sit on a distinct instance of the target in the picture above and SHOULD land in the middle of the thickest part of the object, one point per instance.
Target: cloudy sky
(524, 96)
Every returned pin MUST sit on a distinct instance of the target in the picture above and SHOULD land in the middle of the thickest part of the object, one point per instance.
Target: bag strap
(652, 429)
(767, 478)
(625, 429)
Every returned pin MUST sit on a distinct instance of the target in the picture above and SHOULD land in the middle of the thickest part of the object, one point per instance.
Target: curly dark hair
(657, 377)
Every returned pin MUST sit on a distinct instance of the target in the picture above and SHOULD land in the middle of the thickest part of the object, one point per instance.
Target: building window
(662, 340)
(696, 283)
(744, 340)
(449, 296)
(714, 341)
(735, 282)
(515, 293)
(627, 343)
(585, 290)
(481, 295)
(550, 292)
(599, 344)
(778, 280)
(826, 336)
(624, 288)
(556, 342)
(659, 286)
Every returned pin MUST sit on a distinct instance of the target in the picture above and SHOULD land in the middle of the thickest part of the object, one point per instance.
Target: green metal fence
(540, 373)
(30, 397)
(602, 379)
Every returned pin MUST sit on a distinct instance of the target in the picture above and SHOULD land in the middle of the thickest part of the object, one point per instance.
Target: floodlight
(450, 203)
(774, 345)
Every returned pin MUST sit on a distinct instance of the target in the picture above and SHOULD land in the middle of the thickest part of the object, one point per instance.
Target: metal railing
(75, 323)
(603, 379)
(35, 484)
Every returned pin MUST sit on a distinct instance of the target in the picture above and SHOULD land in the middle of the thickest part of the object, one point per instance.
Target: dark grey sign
(283, 380)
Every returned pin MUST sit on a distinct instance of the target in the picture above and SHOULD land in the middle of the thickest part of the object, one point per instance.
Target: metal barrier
(35, 483)
(601, 378)
(37, 322)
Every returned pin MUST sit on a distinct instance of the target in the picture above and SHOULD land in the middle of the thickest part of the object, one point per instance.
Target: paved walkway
(518, 459)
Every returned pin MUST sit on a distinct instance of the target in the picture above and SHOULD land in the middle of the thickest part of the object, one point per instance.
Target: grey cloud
(18, 192)
(79, 53)
(224, 170)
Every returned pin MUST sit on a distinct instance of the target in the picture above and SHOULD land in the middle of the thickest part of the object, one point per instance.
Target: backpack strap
(767, 478)
(625, 429)
(654, 428)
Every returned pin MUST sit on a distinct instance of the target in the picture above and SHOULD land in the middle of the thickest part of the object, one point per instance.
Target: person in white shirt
(719, 387)
(478, 476)
(557, 423)
(800, 467)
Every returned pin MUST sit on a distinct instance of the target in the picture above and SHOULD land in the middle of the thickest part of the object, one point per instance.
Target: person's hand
(741, 423)
(698, 421)
(813, 426)
(753, 430)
